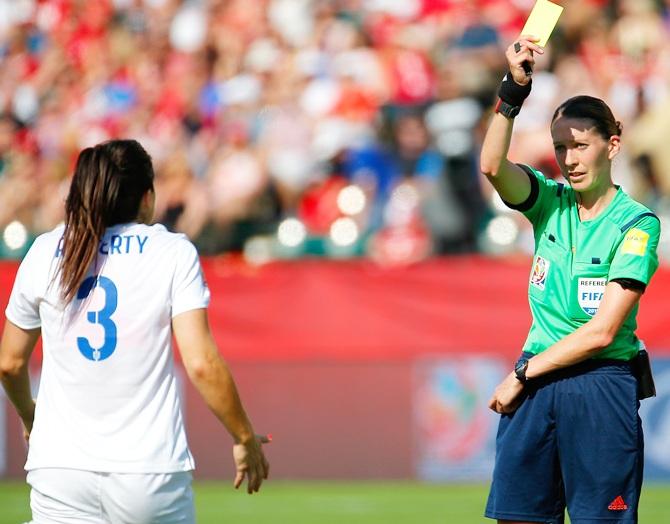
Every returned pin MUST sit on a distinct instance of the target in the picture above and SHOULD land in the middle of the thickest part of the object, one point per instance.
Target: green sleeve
(542, 196)
(635, 256)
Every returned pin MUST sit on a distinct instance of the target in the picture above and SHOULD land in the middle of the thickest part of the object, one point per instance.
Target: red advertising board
(333, 359)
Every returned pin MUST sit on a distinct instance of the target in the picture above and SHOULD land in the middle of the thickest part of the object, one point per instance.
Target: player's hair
(107, 188)
(590, 108)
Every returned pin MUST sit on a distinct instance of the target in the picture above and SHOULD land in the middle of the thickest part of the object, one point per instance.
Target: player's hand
(519, 52)
(507, 396)
(251, 463)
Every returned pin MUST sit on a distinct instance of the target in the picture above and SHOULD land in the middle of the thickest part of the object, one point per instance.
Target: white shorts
(70, 496)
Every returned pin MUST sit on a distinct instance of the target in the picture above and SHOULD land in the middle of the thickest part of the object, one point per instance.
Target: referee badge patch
(590, 292)
(635, 242)
(538, 277)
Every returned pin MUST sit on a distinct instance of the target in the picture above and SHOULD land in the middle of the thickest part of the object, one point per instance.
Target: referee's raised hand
(520, 58)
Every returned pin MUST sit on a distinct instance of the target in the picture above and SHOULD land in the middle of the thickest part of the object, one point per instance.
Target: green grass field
(340, 503)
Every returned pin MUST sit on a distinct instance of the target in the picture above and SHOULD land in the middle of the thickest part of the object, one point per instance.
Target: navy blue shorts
(575, 441)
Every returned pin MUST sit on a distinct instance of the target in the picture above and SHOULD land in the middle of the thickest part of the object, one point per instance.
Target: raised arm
(509, 180)
(210, 375)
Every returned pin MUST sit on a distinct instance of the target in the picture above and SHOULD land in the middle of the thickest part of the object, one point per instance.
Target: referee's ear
(613, 146)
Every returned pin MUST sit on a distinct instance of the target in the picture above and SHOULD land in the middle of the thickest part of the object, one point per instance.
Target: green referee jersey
(575, 259)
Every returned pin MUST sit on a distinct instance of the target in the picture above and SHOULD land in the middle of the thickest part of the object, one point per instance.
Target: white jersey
(108, 398)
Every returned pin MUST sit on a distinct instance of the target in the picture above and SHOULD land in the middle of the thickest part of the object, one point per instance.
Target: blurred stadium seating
(336, 128)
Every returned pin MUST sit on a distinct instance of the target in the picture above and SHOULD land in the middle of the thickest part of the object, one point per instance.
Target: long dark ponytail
(107, 188)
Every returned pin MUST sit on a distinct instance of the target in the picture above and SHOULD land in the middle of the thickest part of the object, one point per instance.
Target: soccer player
(570, 434)
(107, 292)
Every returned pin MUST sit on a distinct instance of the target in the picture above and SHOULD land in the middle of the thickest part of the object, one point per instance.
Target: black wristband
(512, 93)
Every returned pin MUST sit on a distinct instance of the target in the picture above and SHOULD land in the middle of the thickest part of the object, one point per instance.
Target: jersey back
(108, 395)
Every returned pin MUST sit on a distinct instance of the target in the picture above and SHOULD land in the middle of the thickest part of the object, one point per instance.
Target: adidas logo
(617, 504)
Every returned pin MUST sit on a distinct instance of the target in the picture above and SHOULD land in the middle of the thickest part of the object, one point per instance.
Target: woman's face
(583, 155)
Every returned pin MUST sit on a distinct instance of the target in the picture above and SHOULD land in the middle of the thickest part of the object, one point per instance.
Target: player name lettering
(120, 244)
(116, 245)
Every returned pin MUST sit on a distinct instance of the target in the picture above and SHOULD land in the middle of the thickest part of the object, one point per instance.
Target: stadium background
(368, 288)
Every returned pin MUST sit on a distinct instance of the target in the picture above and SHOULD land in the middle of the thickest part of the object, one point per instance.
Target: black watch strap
(506, 109)
(520, 370)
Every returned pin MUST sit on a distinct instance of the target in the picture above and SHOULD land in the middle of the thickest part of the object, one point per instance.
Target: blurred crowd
(281, 128)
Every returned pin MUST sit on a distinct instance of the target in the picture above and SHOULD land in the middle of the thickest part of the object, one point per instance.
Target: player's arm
(583, 343)
(15, 349)
(508, 179)
(212, 378)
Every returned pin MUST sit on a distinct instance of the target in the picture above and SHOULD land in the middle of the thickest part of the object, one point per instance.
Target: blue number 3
(102, 317)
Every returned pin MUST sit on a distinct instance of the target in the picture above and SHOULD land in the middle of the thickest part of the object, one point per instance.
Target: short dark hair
(593, 109)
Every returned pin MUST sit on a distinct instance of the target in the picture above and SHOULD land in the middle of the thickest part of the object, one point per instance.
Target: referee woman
(107, 292)
(570, 434)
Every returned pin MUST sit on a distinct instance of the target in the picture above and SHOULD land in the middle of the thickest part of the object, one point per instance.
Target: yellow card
(542, 20)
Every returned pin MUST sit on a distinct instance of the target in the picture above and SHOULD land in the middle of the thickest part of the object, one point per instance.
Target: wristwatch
(520, 370)
(507, 110)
